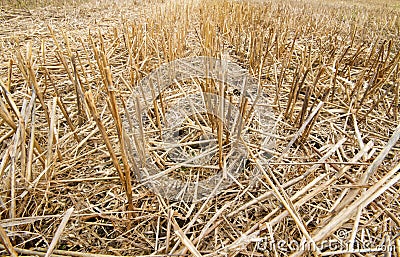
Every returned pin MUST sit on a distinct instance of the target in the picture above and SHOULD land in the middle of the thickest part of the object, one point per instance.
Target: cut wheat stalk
(115, 112)
(59, 231)
(366, 198)
(5, 240)
(371, 169)
(92, 107)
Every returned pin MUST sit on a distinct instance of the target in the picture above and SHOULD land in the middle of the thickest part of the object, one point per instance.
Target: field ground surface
(327, 182)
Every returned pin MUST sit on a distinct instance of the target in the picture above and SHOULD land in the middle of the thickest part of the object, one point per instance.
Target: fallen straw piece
(59, 231)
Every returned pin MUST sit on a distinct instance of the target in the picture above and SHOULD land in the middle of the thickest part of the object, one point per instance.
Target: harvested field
(107, 150)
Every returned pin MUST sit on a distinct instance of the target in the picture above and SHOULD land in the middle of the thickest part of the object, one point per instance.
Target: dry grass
(29, 4)
(330, 69)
